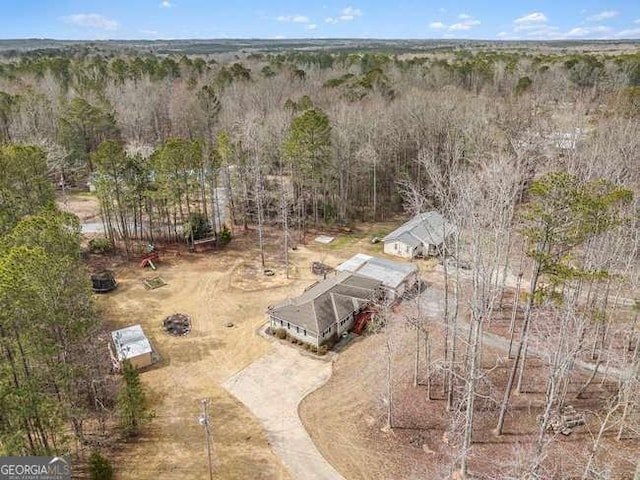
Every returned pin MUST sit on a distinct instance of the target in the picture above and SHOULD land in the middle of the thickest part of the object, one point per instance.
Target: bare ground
(215, 289)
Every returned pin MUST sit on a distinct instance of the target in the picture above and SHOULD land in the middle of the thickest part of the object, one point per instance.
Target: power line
(204, 421)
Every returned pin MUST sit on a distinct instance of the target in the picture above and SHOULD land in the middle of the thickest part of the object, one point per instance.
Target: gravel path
(272, 387)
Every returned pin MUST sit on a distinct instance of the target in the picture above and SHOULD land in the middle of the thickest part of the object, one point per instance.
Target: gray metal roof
(390, 273)
(429, 228)
(327, 301)
(130, 342)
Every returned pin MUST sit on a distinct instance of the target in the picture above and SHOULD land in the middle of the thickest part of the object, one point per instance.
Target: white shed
(130, 343)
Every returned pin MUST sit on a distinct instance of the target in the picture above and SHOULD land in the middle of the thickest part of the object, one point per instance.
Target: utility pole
(204, 421)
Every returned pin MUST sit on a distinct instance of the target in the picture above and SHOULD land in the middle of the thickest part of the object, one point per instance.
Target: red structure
(361, 319)
(150, 257)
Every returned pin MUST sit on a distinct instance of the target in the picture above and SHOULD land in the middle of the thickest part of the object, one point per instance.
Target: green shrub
(197, 226)
(99, 467)
(322, 350)
(224, 236)
(281, 333)
(524, 83)
(100, 245)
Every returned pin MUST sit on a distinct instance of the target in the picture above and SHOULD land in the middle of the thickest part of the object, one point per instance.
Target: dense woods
(534, 156)
(342, 128)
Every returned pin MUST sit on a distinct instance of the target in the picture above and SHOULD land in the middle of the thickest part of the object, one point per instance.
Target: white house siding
(398, 249)
(309, 337)
(295, 331)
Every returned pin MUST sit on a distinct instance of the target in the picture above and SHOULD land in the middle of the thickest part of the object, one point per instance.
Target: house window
(304, 332)
(297, 329)
(288, 326)
(281, 323)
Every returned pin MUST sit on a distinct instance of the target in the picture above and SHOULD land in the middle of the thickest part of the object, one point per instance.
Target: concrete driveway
(272, 387)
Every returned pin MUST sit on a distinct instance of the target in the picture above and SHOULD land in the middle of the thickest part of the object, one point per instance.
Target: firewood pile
(565, 420)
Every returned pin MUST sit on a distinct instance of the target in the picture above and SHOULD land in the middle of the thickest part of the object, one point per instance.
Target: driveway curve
(272, 388)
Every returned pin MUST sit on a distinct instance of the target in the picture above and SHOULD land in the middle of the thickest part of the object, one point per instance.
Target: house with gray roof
(325, 309)
(424, 234)
(396, 277)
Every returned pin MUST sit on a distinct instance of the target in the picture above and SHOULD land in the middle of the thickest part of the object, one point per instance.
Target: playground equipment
(150, 256)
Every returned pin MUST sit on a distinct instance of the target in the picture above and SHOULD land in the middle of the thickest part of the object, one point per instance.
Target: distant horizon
(322, 39)
(539, 20)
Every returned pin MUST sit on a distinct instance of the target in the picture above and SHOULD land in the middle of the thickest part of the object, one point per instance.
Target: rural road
(272, 387)
(433, 307)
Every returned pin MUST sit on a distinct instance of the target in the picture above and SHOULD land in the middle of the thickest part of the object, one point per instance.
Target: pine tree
(132, 401)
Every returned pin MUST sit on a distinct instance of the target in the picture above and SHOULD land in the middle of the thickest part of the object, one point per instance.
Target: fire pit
(177, 324)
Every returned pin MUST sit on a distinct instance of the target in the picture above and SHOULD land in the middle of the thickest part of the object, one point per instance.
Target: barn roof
(390, 273)
(429, 228)
(130, 342)
(327, 301)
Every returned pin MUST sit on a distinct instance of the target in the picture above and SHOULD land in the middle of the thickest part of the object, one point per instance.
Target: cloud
(587, 31)
(637, 21)
(532, 18)
(165, 4)
(293, 18)
(149, 32)
(465, 25)
(346, 15)
(631, 33)
(312, 26)
(468, 22)
(350, 13)
(92, 20)
(607, 14)
(442, 10)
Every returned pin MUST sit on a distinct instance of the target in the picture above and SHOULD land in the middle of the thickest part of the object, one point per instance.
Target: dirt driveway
(272, 389)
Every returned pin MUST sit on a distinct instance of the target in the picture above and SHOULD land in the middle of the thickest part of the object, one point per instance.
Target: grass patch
(344, 240)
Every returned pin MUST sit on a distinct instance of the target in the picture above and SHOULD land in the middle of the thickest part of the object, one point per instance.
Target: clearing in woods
(214, 289)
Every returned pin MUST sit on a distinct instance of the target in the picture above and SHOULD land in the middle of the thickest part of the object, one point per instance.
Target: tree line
(55, 382)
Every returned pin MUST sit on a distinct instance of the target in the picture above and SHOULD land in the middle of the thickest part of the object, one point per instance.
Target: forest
(533, 153)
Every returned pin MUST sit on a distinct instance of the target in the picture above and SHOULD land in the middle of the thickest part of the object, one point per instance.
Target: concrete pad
(272, 387)
(324, 239)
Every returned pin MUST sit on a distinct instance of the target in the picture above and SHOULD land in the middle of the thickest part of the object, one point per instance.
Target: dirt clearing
(215, 290)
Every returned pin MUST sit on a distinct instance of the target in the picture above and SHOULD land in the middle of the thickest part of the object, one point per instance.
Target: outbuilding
(130, 343)
(397, 277)
(423, 235)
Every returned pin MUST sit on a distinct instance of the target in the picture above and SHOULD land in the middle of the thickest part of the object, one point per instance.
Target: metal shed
(130, 343)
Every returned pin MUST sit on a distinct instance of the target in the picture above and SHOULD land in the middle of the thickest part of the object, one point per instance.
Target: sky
(473, 19)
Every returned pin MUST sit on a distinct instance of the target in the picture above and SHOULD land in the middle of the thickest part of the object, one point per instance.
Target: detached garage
(130, 343)
(423, 235)
(396, 277)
